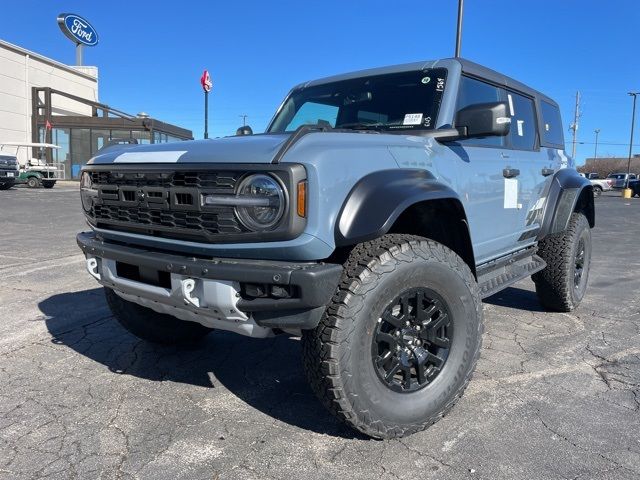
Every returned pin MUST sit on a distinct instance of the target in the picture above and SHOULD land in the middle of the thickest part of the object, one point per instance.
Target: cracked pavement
(554, 395)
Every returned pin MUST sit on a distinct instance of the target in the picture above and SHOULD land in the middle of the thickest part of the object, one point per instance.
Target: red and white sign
(205, 81)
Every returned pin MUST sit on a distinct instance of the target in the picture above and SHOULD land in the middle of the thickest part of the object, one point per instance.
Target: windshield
(617, 176)
(395, 101)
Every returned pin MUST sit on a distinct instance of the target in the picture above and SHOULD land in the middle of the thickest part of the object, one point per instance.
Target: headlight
(87, 192)
(266, 205)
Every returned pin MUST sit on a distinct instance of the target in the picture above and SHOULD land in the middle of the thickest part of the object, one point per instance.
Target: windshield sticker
(520, 129)
(511, 105)
(425, 80)
(440, 85)
(427, 121)
(412, 119)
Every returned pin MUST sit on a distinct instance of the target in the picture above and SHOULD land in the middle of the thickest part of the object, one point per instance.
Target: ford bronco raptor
(371, 218)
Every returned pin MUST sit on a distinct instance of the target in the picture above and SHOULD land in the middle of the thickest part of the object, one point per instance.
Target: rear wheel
(561, 285)
(153, 326)
(33, 182)
(400, 339)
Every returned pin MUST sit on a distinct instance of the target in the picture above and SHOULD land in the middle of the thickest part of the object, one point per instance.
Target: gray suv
(371, 218)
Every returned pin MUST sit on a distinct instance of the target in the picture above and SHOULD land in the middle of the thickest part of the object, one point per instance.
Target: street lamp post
(633, 121)
(459, 28)
(595, 153)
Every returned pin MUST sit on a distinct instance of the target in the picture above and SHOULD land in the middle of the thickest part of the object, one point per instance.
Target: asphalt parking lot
(554, 395)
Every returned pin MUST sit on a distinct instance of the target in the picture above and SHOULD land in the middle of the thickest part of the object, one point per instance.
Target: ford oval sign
(77, 29)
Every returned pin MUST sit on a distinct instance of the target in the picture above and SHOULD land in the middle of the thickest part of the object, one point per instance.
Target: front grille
(165, 204)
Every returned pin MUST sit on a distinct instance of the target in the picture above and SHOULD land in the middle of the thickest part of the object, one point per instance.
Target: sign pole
(207, 84)
(206, 114)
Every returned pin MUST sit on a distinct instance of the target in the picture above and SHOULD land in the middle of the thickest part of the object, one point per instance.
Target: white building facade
(20, 70)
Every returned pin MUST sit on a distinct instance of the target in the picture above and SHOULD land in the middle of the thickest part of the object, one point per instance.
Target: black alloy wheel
(412, 339)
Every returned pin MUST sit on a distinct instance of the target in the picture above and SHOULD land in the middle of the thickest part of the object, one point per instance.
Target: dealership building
(43, 100)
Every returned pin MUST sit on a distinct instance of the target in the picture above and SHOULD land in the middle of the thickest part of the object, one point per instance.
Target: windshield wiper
(362, 126)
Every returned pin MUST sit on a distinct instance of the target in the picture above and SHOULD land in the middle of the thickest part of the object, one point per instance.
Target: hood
(241, 149)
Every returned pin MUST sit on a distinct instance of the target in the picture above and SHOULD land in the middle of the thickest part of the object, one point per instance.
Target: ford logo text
(77, 29)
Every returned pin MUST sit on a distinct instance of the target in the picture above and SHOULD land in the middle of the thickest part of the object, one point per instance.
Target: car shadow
(265, 373)
(515, 297)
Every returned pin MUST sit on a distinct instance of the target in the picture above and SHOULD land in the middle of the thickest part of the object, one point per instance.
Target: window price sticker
(412, 119)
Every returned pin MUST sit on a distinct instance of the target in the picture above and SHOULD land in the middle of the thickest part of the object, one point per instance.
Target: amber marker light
(302, 199)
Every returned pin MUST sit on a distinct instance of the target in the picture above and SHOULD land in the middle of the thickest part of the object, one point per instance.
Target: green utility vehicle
(37, 172)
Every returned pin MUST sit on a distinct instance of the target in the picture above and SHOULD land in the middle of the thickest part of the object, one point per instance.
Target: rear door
(528, 166)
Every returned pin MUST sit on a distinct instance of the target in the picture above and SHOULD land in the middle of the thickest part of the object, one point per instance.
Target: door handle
(547, 171)
(510, 172)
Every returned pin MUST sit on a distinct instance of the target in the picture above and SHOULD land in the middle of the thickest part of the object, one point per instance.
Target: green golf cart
(37, 172)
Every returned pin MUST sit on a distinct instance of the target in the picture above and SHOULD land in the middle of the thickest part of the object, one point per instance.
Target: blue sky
(151, 54)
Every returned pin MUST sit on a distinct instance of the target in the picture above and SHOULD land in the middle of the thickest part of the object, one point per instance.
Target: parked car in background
(634, 185)
(599, 185)
(619, 180)
(8, 171)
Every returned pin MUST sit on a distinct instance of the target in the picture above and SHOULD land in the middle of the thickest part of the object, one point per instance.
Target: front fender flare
(378, 199)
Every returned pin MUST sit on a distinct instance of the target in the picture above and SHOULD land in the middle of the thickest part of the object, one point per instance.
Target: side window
(311, 113)
(522, 133)
(474, 91)
(551, 124)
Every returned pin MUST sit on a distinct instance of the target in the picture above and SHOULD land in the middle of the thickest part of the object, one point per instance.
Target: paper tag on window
(412, 119)
(520, 130)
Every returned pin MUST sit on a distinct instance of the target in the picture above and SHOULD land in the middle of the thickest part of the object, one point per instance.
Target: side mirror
(484, 120)
(245, 130)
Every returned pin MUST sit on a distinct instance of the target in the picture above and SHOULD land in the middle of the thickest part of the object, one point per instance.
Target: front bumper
(8, 176)
(309, 286)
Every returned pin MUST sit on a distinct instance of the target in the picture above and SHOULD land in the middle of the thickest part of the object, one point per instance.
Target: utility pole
(574, 126)
(595, 153)
(459, 29)
(244, 119)
(633, 121)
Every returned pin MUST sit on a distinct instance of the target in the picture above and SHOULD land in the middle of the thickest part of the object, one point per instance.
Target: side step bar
(499, 274)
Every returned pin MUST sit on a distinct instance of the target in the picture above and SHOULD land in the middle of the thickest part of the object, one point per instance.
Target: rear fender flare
(568, 192)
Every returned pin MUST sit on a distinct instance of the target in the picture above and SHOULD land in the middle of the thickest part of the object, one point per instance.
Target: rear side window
(474, 91)
(551, 124)
(522, 132)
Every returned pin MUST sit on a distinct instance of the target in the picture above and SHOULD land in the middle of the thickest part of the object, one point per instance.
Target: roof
(49, 61)
(468, 67)
(28, 144)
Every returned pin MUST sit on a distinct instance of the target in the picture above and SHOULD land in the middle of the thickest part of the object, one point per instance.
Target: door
(481, 182)
(530, 167)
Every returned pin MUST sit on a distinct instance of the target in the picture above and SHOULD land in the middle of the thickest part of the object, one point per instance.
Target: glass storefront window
(99, 139)
(142, 136)
(120, 134)
(80, 150)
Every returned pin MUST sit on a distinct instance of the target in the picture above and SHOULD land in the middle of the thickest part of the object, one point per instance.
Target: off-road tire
(337, 354)
(555, 284)
(153, 326)
(48, 183)
(33, 182)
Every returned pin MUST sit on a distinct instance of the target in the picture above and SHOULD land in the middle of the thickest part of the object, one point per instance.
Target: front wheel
(48, 183)
(5, 186)
(561, 285)
(152, 326)
(33, 182)
(400, 339)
